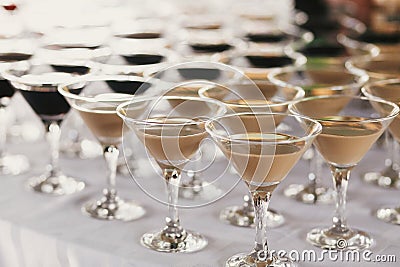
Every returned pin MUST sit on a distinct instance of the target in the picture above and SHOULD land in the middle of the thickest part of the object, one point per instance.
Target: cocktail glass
(350, 126)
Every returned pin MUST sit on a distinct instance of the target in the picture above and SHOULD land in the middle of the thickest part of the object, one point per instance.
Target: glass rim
(9, 74)
(299, 95)
(316, 131)
(378, 83)
(351, 64)
(298, 60)
(392, 114)
(138, 99)
(361, 77)
(183, 63)
(98, 78)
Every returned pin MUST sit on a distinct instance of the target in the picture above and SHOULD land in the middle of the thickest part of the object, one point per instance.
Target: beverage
(266, 37)
(10, 7)
(102, 120)
(6, 90)
(269, 61)
(143, 59)
(14, 56)
(390, 92)
(172, 146)
(72, 69)
(325, 50)
(345, 140)
(259, 163)
(200, 73)
(127, 87)
(140, 35)
(210, 48)
(46, 104)
(44, 99)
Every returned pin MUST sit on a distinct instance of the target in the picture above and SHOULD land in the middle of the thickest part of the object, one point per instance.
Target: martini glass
(171, 128)
(263, 155)
(318, 81)
(13, 53)
(252, 96)
(186, 79)
(96, 100)
(384, 66)
(38, 85)
(350, 126)
(390, 91)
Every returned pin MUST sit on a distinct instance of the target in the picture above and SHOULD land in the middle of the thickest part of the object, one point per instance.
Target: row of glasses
(390, 91)
(327, 79)
(382, 67)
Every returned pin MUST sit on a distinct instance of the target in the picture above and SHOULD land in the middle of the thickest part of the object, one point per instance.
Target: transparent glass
(186, 80)
(350, 126)
(384, 66)
(247, 139)
(251, 96)
(38, 83)
(96, 100)
(171, 129)
(390, 91)
(10, 164)
(329, 79)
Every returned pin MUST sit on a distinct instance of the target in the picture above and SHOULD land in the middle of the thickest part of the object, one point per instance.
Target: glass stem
(395, 154)
(261, 201)
(173, 232)
(389, 160)
(53, 134)
(315, 170)
(3, 130)
(340, 181)
(111, 154)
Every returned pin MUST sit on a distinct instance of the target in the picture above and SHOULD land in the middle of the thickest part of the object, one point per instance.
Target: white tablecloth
(44, 231)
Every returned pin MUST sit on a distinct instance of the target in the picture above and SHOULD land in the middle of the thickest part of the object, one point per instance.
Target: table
(44, 231)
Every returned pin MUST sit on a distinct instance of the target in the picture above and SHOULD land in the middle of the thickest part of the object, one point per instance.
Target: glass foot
(388, 178)
(55, 185)
(82, 149)
(191, 242)
(389, 215)
(199, 190)
(307, 195)
(13, 164)
(252, 260)
(240, 216)
(111, 207)
(351, 239)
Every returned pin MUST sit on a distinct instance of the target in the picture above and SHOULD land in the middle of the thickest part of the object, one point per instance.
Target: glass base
(245, 260)
(111, 207)
(306, 194)
(389, 215)
(13, 164)
(55, 185)
(388, 178)
(351, 239)
(199, 190)
(240, 216)
(190, 243)
(83, 149)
